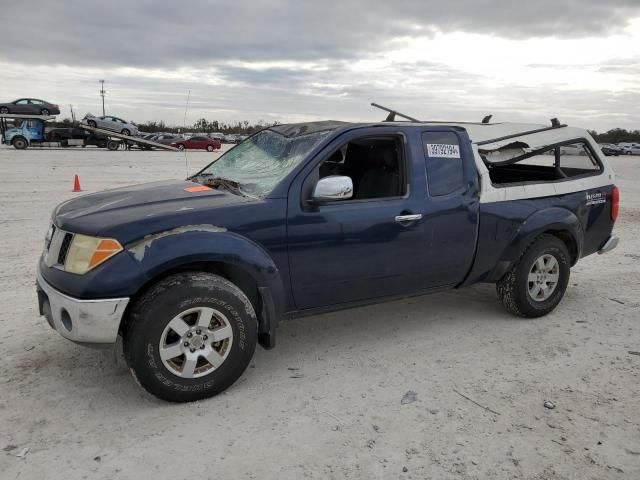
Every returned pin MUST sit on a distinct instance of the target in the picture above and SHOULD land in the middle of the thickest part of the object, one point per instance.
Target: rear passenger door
(451, 206)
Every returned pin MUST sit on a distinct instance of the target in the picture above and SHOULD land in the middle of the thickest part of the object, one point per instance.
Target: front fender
(165, 251)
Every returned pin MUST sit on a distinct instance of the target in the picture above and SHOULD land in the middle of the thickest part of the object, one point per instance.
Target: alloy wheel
(543, 277)
(196, 342)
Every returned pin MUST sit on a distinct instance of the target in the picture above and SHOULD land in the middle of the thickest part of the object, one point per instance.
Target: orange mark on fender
(199, 188)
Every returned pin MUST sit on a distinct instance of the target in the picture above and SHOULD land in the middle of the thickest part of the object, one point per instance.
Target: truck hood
(131, 212)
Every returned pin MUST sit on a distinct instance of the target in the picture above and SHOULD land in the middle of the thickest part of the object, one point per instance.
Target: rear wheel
(536, 284)
(92, 124)
(113, 145)
(44, 111)
(190, 336)
(20, 143)
(4, 110)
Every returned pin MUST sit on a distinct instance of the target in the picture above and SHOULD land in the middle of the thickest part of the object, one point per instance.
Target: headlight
(87, 252)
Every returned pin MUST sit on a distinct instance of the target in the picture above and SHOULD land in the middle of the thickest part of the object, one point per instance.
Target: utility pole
(102, 94)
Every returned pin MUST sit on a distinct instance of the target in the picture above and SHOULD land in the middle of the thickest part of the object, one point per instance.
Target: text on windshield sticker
(443, 150)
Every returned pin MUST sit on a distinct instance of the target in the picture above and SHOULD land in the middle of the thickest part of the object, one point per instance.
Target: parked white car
(112, 123)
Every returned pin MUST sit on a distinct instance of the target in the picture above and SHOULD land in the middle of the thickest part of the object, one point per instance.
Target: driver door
(356, 249)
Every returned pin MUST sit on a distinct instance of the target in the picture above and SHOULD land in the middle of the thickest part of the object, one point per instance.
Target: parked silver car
(630, 148)
(167, 138)
(217, 135)
(230, 138)
(112, 123)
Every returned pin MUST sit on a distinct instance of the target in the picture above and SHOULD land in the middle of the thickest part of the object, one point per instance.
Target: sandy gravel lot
(326, 403)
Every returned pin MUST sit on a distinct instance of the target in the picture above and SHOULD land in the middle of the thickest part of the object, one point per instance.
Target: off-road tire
(513, 287)
(155, 309)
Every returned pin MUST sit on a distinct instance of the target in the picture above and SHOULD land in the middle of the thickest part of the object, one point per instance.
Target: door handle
(408, 218)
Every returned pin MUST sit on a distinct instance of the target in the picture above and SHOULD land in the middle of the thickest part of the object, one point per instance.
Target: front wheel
(44, 111)
(92, 124)
(19, 143)
(125, 132)
(209, 148)
(190, 336)
(536, 284)
(181, 147)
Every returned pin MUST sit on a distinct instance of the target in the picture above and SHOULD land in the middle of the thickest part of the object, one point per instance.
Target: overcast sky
(294, 60)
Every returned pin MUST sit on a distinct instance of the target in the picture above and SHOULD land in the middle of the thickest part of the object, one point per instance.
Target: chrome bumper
(609, 245)
(82, 321)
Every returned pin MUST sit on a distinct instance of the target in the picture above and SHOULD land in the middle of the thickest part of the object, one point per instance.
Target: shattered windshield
(260, 162)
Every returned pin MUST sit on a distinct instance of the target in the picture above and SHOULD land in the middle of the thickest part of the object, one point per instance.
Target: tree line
(200, 126)
(616, 135)
(204, 126)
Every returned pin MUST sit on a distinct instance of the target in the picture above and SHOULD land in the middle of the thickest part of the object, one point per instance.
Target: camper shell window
(517, 163)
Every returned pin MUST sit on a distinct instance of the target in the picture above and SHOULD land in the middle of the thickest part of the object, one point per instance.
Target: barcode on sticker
(443, 150)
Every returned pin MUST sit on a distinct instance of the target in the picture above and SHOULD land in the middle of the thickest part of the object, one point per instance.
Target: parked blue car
(188, 276)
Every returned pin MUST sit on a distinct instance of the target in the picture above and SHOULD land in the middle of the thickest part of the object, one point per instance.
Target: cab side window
(445, 171)
(374, 164)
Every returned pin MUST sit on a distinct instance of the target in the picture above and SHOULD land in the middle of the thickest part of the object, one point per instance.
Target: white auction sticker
(443, 150)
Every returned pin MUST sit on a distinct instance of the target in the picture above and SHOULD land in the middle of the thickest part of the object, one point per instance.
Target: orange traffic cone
(76, 184)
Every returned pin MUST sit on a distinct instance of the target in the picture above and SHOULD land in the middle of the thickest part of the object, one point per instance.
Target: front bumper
(609, 245)
(82, 321)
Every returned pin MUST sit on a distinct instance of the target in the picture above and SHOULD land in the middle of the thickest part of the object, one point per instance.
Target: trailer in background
(31, 132)
(121, 139)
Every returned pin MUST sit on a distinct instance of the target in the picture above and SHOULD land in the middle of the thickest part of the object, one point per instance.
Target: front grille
(64, 248)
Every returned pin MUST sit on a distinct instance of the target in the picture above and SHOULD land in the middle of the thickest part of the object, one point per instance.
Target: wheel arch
(20, 137)
(559, 222)
(255, 274)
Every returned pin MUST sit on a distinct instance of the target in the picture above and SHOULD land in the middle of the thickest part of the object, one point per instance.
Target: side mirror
(330, 189)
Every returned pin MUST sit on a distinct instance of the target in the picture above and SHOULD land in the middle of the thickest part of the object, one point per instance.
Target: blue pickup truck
(188, 276)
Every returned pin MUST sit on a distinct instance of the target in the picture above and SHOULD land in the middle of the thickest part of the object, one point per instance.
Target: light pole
(102, 93)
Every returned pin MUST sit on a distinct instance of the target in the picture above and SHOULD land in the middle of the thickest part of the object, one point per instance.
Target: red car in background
(198, 143)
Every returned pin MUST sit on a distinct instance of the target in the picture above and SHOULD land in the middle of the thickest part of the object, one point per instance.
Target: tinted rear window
(443, 160)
